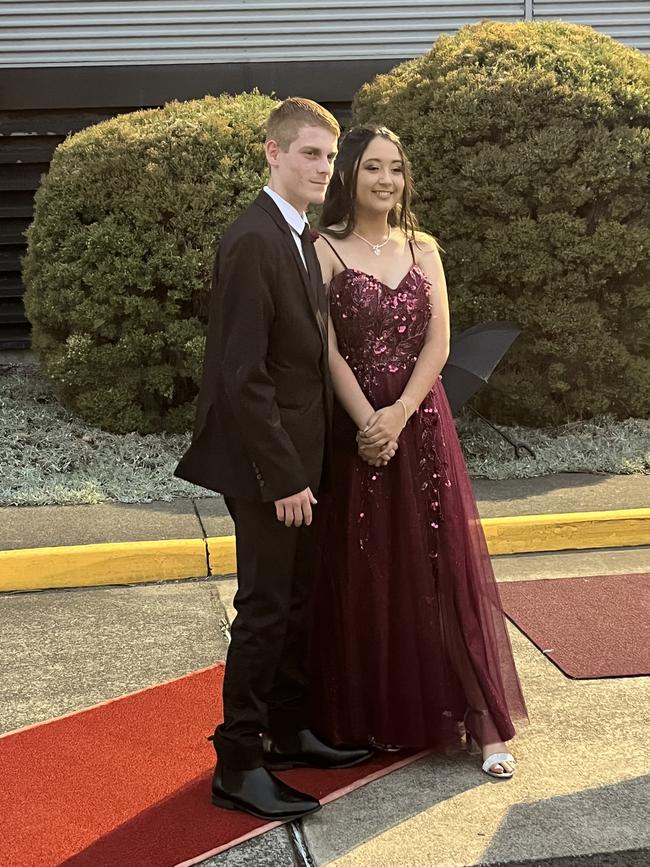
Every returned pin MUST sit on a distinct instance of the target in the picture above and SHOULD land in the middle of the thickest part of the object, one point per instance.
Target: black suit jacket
(264, 405)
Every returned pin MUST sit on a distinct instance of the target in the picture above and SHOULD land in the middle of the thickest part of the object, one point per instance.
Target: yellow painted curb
(573, 530)
(134, 562)
(94, 565)
(223, 559)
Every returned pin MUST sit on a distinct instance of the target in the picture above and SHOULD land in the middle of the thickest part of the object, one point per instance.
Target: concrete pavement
(581, 794)
(582, 786)
(73, 546)
(40, 526)
(583, 777)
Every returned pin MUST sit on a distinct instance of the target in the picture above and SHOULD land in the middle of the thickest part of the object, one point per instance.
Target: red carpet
(589, 627)
(127, 783)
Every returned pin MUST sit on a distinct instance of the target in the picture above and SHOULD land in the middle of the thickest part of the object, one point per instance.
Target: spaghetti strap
(412, 253)
(331, 246)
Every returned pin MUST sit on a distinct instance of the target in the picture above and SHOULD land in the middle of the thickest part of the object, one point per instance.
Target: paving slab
(226, 588)
(442, 812)
(571, 564)
(272, 849)
(525, 567)
(620, 858)
(68, 649)
(584, 748)
(215, 516)
(602, 819)
(46, 526)
(564, 492)
(583, 768)
(344, 824)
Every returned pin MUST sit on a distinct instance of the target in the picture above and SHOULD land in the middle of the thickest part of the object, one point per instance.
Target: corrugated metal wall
(127, 32)
(101, 32)
(627, 21)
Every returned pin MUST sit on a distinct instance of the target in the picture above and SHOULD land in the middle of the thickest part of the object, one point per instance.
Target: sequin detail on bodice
(379, 329)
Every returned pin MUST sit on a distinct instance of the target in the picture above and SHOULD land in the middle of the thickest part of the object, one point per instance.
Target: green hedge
(531, 152)
(120, 252)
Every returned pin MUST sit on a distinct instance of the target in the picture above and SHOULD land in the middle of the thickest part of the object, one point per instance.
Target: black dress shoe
(259, 793)
(305, 750)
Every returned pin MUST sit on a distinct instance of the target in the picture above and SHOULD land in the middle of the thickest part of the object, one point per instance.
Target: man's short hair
(286, 121)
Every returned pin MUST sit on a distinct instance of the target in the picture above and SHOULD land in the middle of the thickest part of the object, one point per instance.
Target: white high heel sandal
(495, 759)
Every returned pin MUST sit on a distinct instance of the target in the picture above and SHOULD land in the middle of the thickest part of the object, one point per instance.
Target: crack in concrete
(205, 539)
(299, 845)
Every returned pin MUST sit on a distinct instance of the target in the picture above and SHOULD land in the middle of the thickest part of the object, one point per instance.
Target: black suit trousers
(265, 684)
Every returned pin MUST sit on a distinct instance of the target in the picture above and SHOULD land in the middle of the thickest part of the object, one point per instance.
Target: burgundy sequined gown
(409, 643)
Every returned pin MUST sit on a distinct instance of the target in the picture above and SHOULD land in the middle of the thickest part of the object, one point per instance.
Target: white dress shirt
(295, 220)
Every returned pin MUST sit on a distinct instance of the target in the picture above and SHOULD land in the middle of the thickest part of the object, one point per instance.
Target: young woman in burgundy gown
(409, 644)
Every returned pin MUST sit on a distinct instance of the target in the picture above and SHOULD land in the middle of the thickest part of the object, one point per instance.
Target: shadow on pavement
(600, 820)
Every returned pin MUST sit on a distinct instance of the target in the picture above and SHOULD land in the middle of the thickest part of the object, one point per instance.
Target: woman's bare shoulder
(328, 245)
(332, 233)
(328, 262)
(426, 244)
(322, 246)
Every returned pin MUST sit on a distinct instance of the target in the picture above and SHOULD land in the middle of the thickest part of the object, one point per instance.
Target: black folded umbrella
(473, 357)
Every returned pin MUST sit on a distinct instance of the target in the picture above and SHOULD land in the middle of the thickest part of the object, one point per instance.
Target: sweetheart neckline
(377, 280)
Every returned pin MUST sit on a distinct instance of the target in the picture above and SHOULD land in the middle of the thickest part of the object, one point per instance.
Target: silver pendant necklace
(376, 248)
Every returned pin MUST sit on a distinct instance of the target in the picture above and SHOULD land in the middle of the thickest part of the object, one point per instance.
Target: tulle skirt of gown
(408, 641)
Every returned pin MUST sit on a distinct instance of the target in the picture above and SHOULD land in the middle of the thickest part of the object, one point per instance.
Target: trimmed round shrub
(120, 252)
(531, 153)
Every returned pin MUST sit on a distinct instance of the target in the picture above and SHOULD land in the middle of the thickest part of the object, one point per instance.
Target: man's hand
(296, 510)
(378, 456)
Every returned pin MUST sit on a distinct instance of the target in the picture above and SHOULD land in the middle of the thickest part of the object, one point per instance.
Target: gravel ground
(49, 456)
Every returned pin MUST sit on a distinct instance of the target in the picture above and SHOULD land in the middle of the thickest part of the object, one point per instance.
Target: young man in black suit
(260, 438)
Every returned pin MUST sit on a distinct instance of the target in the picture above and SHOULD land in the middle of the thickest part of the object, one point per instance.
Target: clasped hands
(377, 442)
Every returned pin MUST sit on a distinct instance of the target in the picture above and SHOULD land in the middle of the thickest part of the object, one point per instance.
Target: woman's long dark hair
(340, 202)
